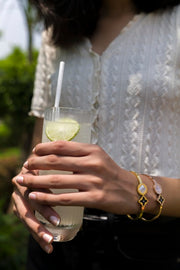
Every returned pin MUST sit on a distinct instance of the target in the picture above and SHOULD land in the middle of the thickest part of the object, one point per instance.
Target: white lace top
(134, 87)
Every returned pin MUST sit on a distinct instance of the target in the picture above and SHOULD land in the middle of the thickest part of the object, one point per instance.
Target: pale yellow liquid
(71, 216)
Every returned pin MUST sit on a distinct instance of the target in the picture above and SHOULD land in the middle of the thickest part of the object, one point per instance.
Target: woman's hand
(102, 184)
(24, 210)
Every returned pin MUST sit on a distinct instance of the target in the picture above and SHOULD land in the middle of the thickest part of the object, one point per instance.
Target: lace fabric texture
(134, 88)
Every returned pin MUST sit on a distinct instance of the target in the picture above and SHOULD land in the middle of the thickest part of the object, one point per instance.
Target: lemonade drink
(65, 124)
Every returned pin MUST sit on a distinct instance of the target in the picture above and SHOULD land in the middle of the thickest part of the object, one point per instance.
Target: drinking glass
(56, 119)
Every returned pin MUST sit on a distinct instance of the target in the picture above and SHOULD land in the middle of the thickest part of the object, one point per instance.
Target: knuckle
(96, 149)
(97, 182)
(55, 180)
(97, 198)
(65, 201)
(99, 164)
(94, 182)
(51, 159)
(31, 162)
(96, 165)
(58, 145)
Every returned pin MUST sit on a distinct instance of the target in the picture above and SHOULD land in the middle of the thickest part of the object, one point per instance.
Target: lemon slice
(64, 129)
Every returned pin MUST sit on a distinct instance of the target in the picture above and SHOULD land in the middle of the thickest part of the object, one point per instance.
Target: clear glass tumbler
(71, 124)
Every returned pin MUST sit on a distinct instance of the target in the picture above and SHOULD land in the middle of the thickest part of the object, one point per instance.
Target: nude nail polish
(48, 238)
(19, 179)
(26, 164)
(48, 249)
(54, 220)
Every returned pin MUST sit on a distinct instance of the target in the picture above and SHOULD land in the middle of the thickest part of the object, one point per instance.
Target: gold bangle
(142, 190)
(160, 199)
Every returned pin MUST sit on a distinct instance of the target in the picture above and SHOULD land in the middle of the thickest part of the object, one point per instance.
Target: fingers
(47, 212)
(64, 199)
(24, 209)
(66, 156)
(58, 181)
(63, 148)
(54, 162)
(26, 214)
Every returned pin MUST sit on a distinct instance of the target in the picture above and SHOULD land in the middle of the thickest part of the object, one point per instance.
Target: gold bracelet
(160, 199)
(142, 190)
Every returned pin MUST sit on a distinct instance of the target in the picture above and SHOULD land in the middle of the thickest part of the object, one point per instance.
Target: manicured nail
(26, 164)
(32, 196)
(48, 238)
(54, 220)
(20, 179)
(48, 249)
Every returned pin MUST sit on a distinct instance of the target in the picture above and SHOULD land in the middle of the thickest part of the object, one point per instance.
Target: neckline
(129, 26)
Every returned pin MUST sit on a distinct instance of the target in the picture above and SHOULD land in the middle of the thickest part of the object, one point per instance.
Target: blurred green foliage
(10, 163)
(5, 132)
(13, 234)
(16, 127)
(16, 87)
(13, 242)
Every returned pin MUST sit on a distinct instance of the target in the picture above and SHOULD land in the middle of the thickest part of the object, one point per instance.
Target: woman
(122, 61)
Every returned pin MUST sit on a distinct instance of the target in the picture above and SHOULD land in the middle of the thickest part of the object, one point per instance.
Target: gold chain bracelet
(142, 190)
(160, 199)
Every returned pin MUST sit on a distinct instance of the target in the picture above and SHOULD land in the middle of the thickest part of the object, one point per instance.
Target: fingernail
(34, 150)
(48, 249)
(19, 179)
(54, 220)
(26, 164)
(32, 196)
(48, 238)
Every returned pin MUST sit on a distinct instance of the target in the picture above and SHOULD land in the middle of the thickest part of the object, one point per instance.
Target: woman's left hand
(100, 182)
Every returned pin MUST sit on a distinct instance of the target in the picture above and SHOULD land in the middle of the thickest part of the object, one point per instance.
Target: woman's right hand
(25, 209)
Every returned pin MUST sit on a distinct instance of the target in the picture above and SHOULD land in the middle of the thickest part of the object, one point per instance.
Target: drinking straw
(59, 84)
